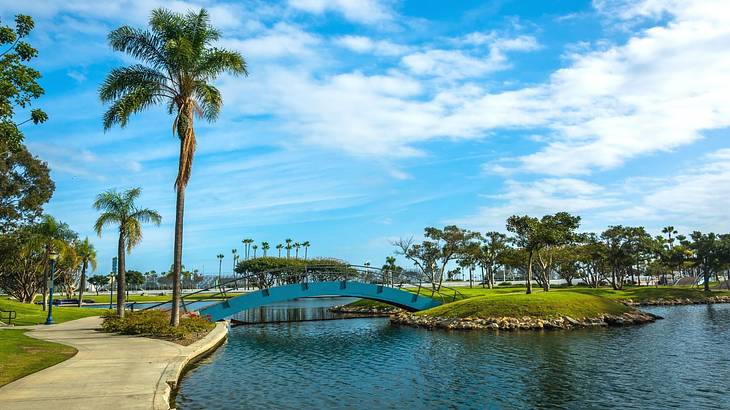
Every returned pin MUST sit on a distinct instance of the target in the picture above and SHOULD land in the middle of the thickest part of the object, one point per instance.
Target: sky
(362, 121)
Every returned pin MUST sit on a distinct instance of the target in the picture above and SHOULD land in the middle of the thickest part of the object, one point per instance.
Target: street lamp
(220, 264)
(52, 256)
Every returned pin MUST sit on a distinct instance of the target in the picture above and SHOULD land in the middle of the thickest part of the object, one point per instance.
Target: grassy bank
(21, 355)
(29, 314)
(539, 305)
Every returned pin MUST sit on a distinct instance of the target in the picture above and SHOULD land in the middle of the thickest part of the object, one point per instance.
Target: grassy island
(539, 305)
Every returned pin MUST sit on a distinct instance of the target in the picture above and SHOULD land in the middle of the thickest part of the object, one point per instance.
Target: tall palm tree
(85, 250)
(118, 208)
(669, 230)
(265, 247)
(297, 245)
(288, 247)
(306, 246)
(254, 247)
(235, 258)
(179, 62)
(247, 246)
(278, 248)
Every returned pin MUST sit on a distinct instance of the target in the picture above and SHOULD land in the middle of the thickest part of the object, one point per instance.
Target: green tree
(526, 230)
(119, 208)
(265, 247)
(18, 82)
(85, 250)
(247, 246)
(288, 247)
(306, 246)
(25, 185)
(279, 247)
(180, 63)
(708, 253)
(97, 281)
(135, 279)
(488, 255)
(297, 245)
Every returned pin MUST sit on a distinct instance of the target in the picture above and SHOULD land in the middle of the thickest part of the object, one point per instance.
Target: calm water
(680, 362)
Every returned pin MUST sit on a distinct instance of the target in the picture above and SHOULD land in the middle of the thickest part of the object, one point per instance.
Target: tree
(85, 250)
(119, 208)
(708, 254)
(278, 248)
(433, 255)
(488, 254)
(50, 235)
(180, 65)
(288, 247)
(254, 247)
(25, 185)
(297, 245)
(591, 255)
(306, 246)
(525, 229)
(98, 281)
(18, 85)
(246, 246)
(669, 231)
(135, 279)
(265, 247)
(554, 233)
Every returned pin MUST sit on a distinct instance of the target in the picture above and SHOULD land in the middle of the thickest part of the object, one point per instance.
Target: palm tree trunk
(121, 275)
(177, 255)
(82, 284)
(529, 273)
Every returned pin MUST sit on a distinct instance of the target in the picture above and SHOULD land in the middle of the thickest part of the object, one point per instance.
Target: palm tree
(50, 235)
(85, 250)
(254, 250)
(179, 64)
(118, 208)
(278, 248)
(288, 247)
(247, 246)
(265, 247)
(235, 258)
(306, 246)
(297, 245)
(669, 230)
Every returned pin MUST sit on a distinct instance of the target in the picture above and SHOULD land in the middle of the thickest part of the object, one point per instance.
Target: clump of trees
(552, 247)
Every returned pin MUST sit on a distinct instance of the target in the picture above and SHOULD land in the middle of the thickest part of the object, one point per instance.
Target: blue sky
(364, 120)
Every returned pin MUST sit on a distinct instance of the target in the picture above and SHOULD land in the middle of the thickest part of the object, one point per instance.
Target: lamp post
(220, 264)
(52, 256)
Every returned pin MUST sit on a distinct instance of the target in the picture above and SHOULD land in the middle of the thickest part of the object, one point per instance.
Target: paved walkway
(109, 371)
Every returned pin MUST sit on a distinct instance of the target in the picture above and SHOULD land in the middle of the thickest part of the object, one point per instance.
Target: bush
(155, 323)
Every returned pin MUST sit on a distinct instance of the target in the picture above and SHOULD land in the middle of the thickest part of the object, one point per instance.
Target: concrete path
(108, 372)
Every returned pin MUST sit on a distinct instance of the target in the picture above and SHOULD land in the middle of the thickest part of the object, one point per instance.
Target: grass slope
(34, 314)
(21, 355)
(539, 304)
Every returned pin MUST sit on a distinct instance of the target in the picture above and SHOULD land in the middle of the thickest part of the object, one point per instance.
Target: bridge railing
(410, 281)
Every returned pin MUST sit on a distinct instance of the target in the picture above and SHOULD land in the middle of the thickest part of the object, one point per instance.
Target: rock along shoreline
(634, 317)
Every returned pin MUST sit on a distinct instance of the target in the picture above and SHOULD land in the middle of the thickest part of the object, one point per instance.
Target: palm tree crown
(118, 208)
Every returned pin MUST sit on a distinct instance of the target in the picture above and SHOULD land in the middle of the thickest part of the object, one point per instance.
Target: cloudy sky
(367, 120)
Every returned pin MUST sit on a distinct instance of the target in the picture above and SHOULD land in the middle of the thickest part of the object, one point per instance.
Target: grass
(538, 304)
(21, 355)
(31, 314)
(104, 297)
(576, 301)
(155, 323)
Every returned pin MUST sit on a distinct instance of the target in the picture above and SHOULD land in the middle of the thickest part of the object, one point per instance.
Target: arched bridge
(311, 281)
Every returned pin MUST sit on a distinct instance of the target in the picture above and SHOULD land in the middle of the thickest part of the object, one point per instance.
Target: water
(680, 362)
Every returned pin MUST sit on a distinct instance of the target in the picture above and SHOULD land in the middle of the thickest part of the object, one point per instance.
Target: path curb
(189, 354)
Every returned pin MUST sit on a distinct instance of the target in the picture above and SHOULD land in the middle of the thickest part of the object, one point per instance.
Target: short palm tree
(180, 62)
(297, 245)
(85, 250)
(254, 247)
(118, 208)
(288, 247)
(265, 247)
(279, 247)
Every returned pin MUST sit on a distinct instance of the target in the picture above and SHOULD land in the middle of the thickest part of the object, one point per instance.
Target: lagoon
(682, 361)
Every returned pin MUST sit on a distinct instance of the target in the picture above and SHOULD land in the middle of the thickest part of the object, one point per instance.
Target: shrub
(155, 323)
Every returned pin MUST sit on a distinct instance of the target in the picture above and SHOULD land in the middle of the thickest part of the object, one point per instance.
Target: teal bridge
(317, 281)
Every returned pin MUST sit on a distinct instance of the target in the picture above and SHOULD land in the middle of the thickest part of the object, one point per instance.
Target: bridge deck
(403, 299)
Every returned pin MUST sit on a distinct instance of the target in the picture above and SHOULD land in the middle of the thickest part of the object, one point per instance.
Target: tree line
(553, 247)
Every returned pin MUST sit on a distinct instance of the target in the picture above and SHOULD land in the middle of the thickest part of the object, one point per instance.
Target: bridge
(411, 292)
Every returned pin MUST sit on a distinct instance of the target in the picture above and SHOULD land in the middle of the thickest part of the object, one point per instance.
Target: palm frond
(147, 215)
(216, 61)
(106, 218)
(132, 102)
(209, 100)
(124, 80)
(140, 44)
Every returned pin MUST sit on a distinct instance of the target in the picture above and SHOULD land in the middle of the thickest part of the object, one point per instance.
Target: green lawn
(21, 355)
(538, 304)
(104, 297)
(34, 314)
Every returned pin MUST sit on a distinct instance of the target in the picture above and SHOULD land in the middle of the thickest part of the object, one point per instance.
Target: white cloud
(361, 11)
(362, 44)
